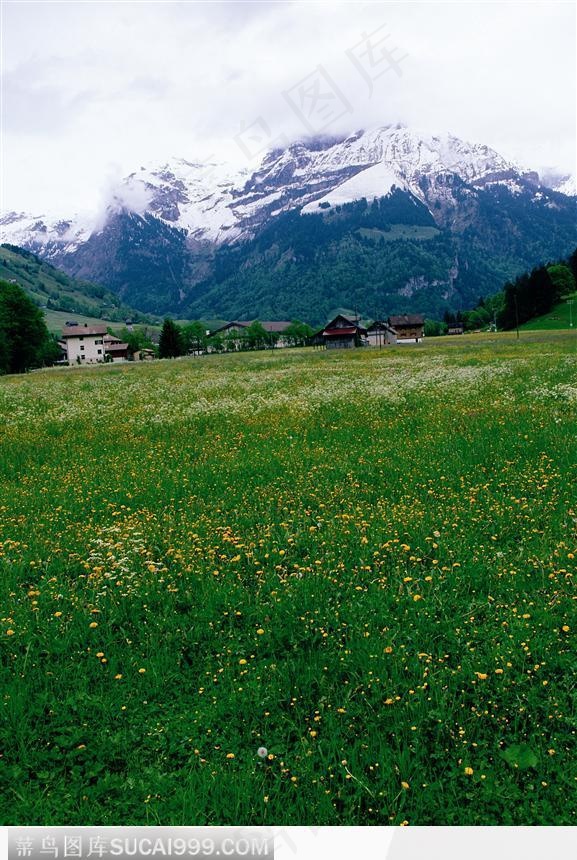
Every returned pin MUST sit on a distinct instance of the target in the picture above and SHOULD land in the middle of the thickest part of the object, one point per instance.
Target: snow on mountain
(45, 234)
(212, 202)
(568, 186)
(374, 181)
(194, 196)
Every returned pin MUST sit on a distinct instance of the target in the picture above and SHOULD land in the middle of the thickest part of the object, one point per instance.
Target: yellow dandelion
(405, 785)
(242, 662)
(469, 771)
(142, 671)
(482, 676)
(93, 624)
(230, 755)
(260, 631)
(117, 677)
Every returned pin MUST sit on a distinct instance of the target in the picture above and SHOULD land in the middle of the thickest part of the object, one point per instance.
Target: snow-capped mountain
(212, 202)
(184, 235)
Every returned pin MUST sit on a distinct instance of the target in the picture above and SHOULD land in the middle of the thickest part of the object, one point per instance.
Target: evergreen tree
(171, 342)
(572, 263)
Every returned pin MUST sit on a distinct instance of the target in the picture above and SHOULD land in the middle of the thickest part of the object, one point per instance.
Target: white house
(84, 344)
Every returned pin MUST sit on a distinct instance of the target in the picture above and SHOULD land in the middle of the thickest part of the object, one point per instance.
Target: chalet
(410, 328)
(343, 333)
(380, 333)
(455, 328)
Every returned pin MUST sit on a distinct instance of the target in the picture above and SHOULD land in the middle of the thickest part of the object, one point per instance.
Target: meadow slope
(362, 561)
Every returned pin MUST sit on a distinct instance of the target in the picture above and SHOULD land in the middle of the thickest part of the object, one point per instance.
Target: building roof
(406, 319)
(342, 323)
(116, 347)
(83, 330)
(339, 332)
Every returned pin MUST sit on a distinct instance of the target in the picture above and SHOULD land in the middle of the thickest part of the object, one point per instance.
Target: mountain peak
(214, 202)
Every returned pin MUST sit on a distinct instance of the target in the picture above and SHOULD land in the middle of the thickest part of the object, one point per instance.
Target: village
(84, 344)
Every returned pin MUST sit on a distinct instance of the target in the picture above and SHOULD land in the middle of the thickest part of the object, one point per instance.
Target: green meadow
(562, 316)
(362, 561)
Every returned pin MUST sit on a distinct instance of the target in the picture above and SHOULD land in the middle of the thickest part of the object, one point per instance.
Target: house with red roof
(342, 333)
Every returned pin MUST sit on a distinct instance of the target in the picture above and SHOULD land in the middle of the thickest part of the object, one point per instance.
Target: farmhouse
(380, 333)
(410, 328)
(84, 344)
(342, 333)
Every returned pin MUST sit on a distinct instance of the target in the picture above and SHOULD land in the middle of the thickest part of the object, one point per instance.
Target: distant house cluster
(84, 344)
(344, 333)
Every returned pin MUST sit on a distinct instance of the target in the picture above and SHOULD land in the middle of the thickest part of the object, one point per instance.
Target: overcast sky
(92, 90)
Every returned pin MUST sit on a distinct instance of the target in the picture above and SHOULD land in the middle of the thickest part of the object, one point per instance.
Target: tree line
(176, 340)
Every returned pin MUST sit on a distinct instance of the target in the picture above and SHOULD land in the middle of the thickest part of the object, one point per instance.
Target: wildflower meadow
(296, 587)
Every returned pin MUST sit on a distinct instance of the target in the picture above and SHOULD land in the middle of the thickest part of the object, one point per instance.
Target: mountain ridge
(170, 230)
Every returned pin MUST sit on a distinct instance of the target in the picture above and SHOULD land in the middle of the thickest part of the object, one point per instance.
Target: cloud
(88, 85)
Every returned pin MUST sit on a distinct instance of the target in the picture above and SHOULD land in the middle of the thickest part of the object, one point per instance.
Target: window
(99, 351)
(97, 342)
(81, 347)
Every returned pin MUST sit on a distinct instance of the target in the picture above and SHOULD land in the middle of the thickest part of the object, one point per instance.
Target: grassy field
(56, 320)
(560, 317)
(362, 561)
